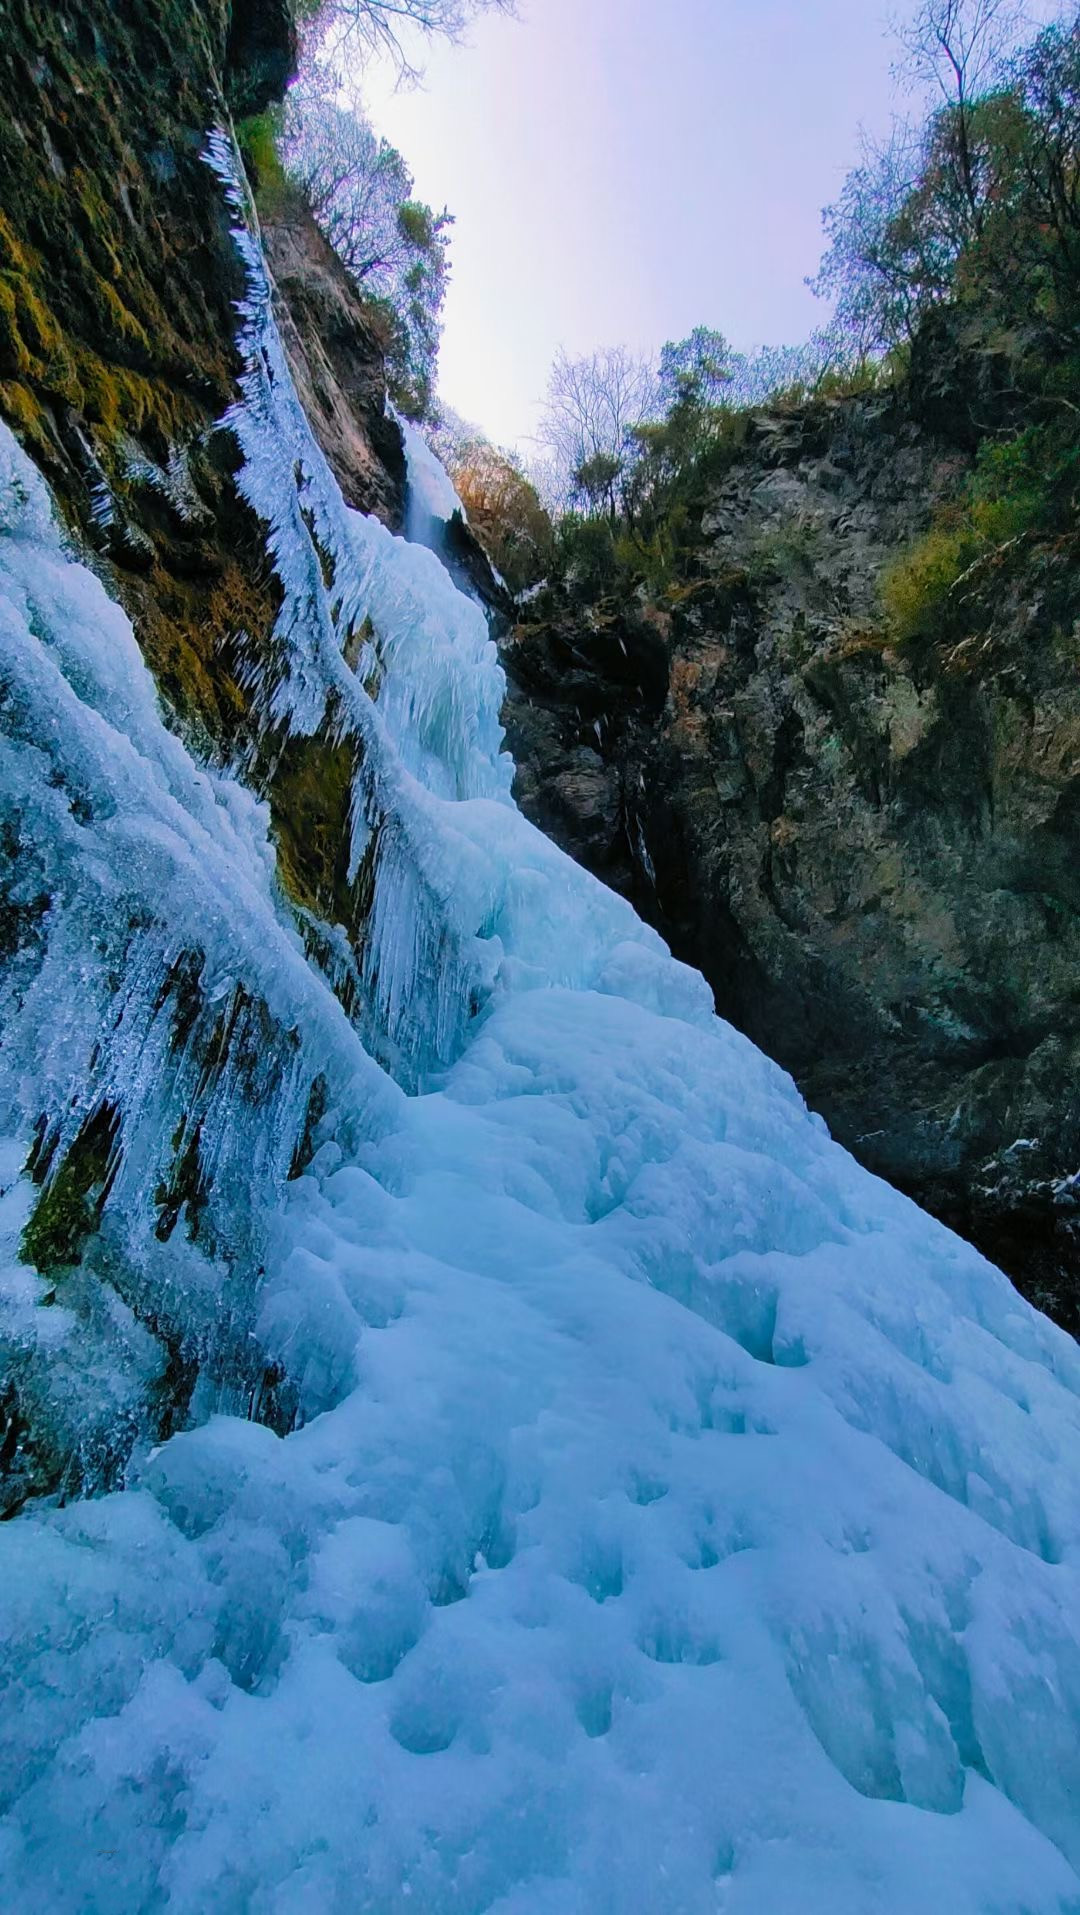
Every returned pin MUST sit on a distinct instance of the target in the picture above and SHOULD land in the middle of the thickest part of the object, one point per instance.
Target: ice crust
(676, 1519)
(432, 500)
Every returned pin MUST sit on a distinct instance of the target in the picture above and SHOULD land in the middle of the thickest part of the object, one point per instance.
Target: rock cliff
(873, 854)
(119, 282)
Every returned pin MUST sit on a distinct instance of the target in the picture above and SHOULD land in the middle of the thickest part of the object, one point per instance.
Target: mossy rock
(73, 1192)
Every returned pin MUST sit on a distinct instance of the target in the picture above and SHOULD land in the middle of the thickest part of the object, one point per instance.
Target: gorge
(469, 1437)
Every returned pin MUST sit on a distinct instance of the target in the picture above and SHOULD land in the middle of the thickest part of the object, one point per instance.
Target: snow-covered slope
(673, 1518)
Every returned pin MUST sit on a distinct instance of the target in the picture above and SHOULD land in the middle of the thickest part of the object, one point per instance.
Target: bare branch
(362, 30)
(593, 405)
(957, 46)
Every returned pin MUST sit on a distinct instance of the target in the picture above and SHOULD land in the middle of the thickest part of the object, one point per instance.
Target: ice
(593, 1493)
(432, 500)
(140, 898)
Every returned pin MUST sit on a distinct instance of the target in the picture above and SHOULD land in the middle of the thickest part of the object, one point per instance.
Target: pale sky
(624, 170)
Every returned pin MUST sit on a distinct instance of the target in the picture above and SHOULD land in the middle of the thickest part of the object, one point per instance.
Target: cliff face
(872, 856)
(336, 355)
(119, 283)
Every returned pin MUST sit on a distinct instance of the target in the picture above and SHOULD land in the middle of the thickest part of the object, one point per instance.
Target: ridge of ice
(432, 498)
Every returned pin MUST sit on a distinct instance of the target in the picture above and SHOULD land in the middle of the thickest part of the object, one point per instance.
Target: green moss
(784, 552)
(190, 629)
(116, 282)
(31, 343)
(15, 356)
(259, 139)
(73, 1195)
(310, 805)
(118, 279)
(124, 322)
(26, 414)
(916, 587)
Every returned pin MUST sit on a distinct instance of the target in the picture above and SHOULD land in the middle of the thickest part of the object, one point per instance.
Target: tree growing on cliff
(698, 369)
(594, 404)
(964, 236)
(394, 246)
(951, 205)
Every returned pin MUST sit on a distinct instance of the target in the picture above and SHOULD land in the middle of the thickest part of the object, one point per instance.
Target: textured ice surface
(677, 1520)
(432, 500)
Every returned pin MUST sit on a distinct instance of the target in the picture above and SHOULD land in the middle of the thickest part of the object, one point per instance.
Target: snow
(673, 1519)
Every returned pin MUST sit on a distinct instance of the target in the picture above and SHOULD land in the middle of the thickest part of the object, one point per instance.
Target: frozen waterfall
(596, 1494)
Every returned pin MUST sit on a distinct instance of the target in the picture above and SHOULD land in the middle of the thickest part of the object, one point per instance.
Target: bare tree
(959, 48)
(593, 406)
(355, 183)
(360, 191)
(366, 29)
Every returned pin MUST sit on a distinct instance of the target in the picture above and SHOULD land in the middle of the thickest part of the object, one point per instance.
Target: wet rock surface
(336, 356)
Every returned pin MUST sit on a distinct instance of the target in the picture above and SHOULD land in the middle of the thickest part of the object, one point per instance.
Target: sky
(622, 171)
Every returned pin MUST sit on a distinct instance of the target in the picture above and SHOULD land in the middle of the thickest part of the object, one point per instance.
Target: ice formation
(432, 500)
(662, 1515)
